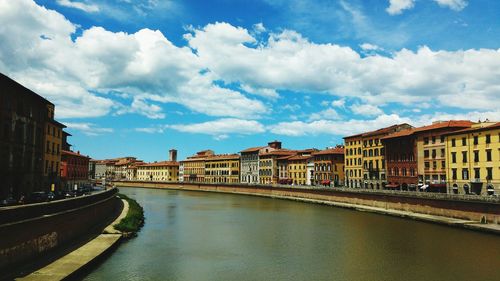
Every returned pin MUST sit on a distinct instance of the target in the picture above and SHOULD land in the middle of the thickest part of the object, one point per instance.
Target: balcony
(476, 180)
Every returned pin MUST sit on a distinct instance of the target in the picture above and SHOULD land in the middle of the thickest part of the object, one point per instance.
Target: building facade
(374, 172)
(23, 119)
(74, 169)
(473, 157)
(194, 166)
(53, 145)
(401, 160)
(268, 165)
(250, 161)
(329, 167)
(223, 168)
(431, 153)
(165, 171)
(353, 161)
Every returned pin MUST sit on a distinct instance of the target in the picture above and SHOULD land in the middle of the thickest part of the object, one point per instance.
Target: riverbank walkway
(75, 261)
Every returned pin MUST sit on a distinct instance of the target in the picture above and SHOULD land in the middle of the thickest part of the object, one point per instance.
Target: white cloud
(145, 66)
(150, 70)
(340, 128)
(263, 92)
(370, 47)
(88, 128)
(327, 114)
(221, 128)
(365, 109)
(396, 7)
(89, 8)
(339, 103)
(259, 27)
(456, 5)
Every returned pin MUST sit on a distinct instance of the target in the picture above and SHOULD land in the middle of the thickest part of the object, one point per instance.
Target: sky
(137, 78)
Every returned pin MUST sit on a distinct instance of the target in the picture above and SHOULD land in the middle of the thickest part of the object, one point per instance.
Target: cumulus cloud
(88, 129)
(143, 65)
(340, 128)
(221, 128)
(397, 6)
(150, 70)
(89, 8)
(456, 5)
(365, 109)
(327, 114)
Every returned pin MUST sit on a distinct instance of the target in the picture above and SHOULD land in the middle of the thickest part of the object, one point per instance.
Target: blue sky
(140, 77)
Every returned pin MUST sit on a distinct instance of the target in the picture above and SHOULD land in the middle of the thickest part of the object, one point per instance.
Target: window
(488, 155)
(464, 141)
(453, 144)
(426, 140)
(453, 157)
(488, 138)
(465, 174)
(427, 165)
(426, 153)
(454, 173)
(443, 164)
(464, 156)
(434, 164)
(489, 173)
(433, 139)
(477, 174)
(433, 153)
(476, 155)
(442, 139)
(442, 152)
(476, 140)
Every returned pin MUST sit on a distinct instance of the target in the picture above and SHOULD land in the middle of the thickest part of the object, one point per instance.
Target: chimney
(172, 155)
(275, 144)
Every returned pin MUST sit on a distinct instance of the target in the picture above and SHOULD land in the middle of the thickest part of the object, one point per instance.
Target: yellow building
(297, 169)
(473, 157)
(268, 165)
(431, 152)
(165, 171)
(52, 147)
(194, 166)
(353, 161)
(374, 173)
(329, 167)
(223, 168)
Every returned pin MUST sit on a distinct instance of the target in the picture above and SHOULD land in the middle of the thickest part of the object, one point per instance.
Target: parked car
(9, 201)
(38, 197)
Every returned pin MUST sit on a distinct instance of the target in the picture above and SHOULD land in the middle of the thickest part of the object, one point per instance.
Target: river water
(209, 236)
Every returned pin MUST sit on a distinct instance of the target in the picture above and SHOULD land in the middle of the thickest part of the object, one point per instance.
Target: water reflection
(208, 236)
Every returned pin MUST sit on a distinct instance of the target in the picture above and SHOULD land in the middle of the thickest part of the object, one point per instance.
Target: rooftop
(160, 164)
(336, 150)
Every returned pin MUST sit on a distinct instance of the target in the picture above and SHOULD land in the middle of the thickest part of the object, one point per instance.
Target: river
(210, 236)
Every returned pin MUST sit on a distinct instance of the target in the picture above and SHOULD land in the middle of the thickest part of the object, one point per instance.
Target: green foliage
(134, 219)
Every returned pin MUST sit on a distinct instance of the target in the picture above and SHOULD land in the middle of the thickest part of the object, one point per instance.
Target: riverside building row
(34, 153)
(456, 156)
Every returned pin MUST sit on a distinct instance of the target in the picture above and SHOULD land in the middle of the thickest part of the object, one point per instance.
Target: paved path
(81, 257)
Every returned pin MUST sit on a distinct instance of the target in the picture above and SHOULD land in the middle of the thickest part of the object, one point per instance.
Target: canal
(210, 236)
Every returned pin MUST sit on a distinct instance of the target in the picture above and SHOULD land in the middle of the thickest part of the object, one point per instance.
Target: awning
(325, 182)
(392, 185)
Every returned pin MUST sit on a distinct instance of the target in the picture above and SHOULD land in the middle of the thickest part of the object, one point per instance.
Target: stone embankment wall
(454, 206)
(28, 232)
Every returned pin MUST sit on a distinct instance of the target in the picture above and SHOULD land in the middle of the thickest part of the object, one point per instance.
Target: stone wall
(453, 206)
(40, 230)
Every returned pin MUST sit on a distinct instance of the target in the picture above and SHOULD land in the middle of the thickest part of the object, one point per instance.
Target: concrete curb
(79, 259)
